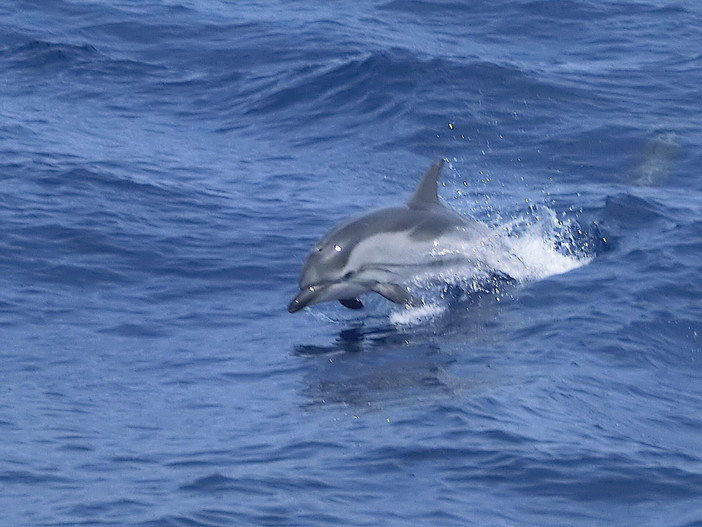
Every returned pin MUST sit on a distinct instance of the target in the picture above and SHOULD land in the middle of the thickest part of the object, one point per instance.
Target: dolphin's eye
(348, 275)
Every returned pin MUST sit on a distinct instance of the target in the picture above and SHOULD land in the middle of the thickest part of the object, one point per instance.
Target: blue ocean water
(166, 165)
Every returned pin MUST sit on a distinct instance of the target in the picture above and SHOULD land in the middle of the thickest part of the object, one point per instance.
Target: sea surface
(166, 165)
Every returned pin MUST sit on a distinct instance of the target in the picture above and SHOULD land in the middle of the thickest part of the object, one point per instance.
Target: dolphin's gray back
(420, 224)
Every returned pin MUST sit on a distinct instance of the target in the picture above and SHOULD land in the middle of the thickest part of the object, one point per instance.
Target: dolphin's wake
(533, 245)
(547, 245)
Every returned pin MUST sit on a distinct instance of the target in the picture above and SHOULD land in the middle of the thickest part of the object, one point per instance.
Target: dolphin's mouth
(346, 290)
(304, 298)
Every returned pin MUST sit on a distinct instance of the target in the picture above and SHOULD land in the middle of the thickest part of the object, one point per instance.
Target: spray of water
(532, 245)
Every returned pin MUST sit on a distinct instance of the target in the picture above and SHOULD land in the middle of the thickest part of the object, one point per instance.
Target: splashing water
(531, 246)
(544, 245)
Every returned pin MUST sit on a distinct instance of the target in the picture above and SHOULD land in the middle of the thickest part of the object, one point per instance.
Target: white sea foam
(531, 246)
(544, 245)
(416, 315)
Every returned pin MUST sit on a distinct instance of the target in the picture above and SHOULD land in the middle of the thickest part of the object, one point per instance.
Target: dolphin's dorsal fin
(425, 194)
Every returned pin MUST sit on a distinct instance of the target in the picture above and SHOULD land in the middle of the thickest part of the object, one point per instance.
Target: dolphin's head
(327, 274)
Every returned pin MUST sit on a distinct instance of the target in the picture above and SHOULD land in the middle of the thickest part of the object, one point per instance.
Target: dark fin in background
(425, 195)
(395, 293)
(351, 303)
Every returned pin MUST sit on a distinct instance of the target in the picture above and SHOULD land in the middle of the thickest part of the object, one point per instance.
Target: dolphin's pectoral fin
(351, 303)
(395, 293)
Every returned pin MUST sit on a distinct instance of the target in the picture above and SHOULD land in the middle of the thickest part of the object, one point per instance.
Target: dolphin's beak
(303, 299)
(324, 292)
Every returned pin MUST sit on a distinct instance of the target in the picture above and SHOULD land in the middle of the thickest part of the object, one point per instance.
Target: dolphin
(380, 250)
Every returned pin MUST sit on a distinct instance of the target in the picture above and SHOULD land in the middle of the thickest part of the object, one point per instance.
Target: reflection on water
(349, 340)
(370, 364)
(393, 374)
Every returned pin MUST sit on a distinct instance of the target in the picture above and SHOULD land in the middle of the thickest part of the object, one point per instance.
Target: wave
(381, 84)
(366, 82)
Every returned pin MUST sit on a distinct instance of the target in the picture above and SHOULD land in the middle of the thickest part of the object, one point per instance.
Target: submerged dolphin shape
(380, 250)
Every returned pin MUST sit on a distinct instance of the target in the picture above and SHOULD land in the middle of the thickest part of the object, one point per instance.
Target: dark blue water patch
(39, 55)
(93, 512)
(268, 515)
(575, 20)
(676, 342)
(210, 518)
(78, 73)
(217, 483)
(591, 151)
(28, 477)
(82, 197)
(362, 83)
(133, 330)
(209, 83)
(419, 7)
(104, 183)
(398, 374)
(358, 336)
(617, 477)
(565, 11)
(627, 212)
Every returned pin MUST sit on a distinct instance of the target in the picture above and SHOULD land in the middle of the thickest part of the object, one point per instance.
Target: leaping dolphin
(381, 250)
